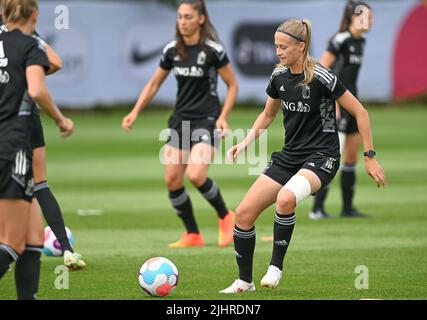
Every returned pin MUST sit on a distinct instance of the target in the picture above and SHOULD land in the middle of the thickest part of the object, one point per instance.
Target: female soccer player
(345, 54)
(23, 64)
(27, 286)
(196, 58)
(306, 92)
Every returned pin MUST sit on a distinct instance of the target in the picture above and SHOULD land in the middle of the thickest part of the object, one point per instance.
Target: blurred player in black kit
(345, 55)
(42, 193)
(23, 64)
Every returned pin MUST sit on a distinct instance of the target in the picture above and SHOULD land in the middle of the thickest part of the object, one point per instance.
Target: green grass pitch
(120, 176)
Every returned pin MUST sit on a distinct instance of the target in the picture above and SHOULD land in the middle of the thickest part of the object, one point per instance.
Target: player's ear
(202, 19)
(301, 47)
(34, 16)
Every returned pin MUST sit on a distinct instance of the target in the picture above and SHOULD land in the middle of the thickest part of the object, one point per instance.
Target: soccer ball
(158, 277)
(52, 247)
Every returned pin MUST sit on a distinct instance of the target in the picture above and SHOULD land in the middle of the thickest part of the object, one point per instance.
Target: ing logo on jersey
(4, 77)
(189, 72)
(296, 107)
(3, 60)
(355, 59)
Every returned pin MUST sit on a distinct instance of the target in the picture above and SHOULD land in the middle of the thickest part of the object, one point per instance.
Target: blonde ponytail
(301, 31)
(18, 10)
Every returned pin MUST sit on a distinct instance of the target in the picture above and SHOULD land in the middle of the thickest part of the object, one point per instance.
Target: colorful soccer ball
(52, 247)
(158, 277)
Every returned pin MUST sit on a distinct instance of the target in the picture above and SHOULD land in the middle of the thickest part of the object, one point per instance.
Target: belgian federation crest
(306, 92)
(201, 58)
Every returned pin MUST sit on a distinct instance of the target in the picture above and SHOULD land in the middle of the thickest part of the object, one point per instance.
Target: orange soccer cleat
(226, 226)
(189, 240)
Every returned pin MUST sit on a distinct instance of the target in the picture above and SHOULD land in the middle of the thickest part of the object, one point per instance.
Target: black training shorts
(282, 167)
(184, 134)
(16, 178)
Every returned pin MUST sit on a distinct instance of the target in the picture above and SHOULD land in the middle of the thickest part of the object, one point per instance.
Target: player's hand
(222, 127)
(66, 127)
(375, 171)
(234, 151)
(128, 121)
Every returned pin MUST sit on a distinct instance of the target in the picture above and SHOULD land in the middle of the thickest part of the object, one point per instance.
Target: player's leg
(47, 201)
(299, 187)
(201, 157)
(260, 196)
(27, 270)
(14, 216)
(318, 211)
(348, 174)
(51, 209)
(175, 165)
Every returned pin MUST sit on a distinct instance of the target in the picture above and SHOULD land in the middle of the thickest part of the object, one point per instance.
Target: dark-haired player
(196, 58)
(345, 55)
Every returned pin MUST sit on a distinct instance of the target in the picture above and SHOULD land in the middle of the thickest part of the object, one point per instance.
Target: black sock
(52, 214)
(7, 256)
(210, 192)
(244, 246)
(348, 181)
(182, 204)
(27, 273)
(283, 228)
(319, 199)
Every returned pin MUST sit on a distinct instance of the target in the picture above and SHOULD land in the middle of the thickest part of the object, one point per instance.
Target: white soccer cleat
(272, 278)
(239, 286)
(73, 261)
(318, 214)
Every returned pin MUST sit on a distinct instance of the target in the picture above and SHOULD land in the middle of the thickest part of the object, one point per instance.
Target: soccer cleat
(225, 228)
(73, 261)
(272, 278)
(318, 214)
(189, 240)
(354, 214)
(239, 286)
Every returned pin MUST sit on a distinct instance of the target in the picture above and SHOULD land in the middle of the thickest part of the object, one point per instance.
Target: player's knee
(351, 159)
(173, 182)
(39, 169)
(295, 190)
(35, 236)
(286, 201)
(196, 178)
(244, 216)
(17, 245)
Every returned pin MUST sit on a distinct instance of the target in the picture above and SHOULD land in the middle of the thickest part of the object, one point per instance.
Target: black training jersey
(309, 111)
(349, 53)
(28, 105)
(197, 77)
(17, 52)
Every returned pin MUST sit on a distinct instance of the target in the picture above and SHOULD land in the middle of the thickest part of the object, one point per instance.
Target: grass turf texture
(103, 168)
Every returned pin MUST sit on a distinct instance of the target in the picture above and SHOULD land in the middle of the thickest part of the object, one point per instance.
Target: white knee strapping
(299, 186)
(341, 137)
